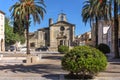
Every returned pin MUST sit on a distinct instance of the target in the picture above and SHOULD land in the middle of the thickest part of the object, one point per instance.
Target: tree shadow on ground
(50, 70)
(39, 68)
(52, 76)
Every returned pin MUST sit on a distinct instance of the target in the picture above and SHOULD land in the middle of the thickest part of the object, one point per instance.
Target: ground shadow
(46, 70)
(115, 63)
(38, 68)
(52, 76)
(52, 57)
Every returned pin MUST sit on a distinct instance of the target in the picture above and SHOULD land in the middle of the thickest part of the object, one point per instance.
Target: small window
(32, 44)
(45, 36)
(61, 42)
(62, 17)
(1, 17)
(89, 39)
(119, 42)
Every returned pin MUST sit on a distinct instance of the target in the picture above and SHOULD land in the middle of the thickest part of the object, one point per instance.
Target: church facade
(59, 33)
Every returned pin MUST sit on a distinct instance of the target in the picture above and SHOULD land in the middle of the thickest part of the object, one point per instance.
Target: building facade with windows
(105, 34)
(84, 39)
(58, 33)
(103, 28)
(2, 35)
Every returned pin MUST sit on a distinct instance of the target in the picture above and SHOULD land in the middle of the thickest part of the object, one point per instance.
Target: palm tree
(25, 9)
(19, 26)
(88, 13)
(116, 4)
(92, 11)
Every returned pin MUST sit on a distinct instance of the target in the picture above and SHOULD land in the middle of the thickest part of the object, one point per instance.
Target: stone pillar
(33, 59)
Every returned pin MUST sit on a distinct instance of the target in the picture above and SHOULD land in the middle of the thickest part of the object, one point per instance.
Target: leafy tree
(19, 27)
(11, 37)
(25, 9)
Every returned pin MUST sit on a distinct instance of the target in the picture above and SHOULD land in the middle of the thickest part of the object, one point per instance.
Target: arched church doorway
(61, 42)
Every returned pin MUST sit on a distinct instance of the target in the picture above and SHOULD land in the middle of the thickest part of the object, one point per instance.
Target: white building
(2, 30)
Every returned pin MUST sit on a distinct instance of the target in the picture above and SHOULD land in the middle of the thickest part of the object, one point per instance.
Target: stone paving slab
(107, 78)
(23, 78)
(49, 68)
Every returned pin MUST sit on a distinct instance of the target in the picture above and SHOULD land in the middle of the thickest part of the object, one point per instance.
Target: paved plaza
(49, 68)
(113, 70)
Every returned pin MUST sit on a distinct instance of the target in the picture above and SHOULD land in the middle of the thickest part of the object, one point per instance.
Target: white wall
(2, 30)
(102, 32)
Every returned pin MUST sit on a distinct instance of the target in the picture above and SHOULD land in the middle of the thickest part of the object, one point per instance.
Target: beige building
(84, 39)
(59, 33)
(2, 35)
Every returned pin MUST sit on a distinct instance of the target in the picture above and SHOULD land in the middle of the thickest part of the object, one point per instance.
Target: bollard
(1, 56)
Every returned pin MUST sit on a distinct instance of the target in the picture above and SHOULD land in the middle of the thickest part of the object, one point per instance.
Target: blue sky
(72, 9)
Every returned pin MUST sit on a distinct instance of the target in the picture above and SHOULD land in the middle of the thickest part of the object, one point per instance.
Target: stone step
(14, 55)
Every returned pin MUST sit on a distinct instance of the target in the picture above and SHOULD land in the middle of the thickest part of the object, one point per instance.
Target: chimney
(50, 21)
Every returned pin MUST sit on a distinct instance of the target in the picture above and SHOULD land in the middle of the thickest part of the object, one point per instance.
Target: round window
(62, 28)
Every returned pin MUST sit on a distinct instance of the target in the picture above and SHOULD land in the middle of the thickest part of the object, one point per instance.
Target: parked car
(23, 49)
(7, 48)
(12, 48)
(44, 48)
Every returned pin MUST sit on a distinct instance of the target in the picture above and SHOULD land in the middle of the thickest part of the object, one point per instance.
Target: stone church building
(59, 33)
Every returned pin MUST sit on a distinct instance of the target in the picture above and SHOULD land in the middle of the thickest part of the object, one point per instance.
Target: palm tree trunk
(96, 32)
(116, 29)
(27, 33)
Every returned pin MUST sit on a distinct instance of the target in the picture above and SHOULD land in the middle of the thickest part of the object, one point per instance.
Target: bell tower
(62, 17)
